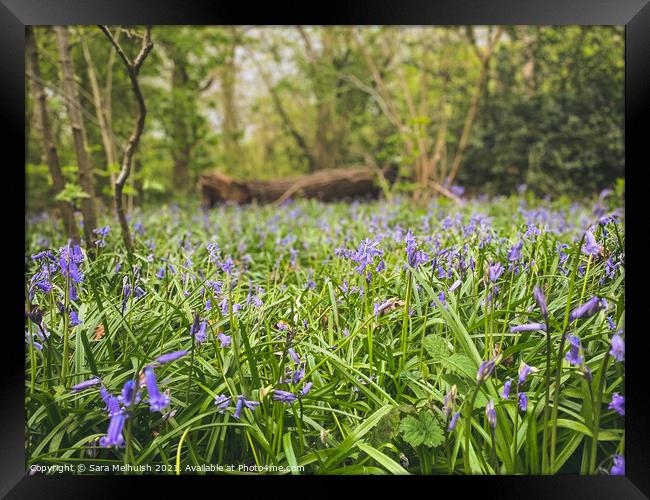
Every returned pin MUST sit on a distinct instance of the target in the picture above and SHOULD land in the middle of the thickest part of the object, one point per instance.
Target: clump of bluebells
(448, 339)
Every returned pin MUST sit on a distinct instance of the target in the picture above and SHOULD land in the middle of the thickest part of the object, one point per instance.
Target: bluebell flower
(170, 356)
(588, 309)
(157, 400)
(590, 246)
(224, 340)
(573, 356)
(611, 323)
(222, 402)
(223, 305)
(505, 394)
(491, 414)
(449, 399)
(485, 370)
(306, 388)
(524, 371)
(297, 376)
(617, 403)
(111, 402)
(514, 253)
(201, 333)
(618, 348)
(130, 395)
(284, 396)
(540, 298)
(294, 356)
(618, 468)
(114, 435)
(453, 421)
(74, 318)
(495, 271)
(523, 401)
(241, 402)
(86, 384)
(530, 327)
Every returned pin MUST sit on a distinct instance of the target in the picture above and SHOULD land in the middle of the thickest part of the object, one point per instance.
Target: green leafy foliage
(421, 430)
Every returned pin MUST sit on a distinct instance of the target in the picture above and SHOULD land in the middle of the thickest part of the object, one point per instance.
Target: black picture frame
(634, 14)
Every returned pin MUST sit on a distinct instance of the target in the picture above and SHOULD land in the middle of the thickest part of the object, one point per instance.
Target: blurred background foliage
(281, 101)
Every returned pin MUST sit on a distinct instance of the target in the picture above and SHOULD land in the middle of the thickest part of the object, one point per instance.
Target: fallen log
(324, 185)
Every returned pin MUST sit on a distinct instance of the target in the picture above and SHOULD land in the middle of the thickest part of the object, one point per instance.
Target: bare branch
(132, 69)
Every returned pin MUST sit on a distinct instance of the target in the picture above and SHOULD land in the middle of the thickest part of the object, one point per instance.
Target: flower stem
(596, 420)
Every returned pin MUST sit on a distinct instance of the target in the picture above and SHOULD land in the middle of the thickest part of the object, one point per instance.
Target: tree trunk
(181, 153)
(324, 185)
(78, 133)
(100, 111)
(230, 122)
(49, 146)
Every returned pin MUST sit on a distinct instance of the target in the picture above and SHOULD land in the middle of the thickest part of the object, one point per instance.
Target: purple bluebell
(618, 468)
(505, 394)
(298, 375)
(223, 305)
(611, 323)
(36, 315)
(201, 333)
(222, 402)
(130, 395)
(573, 356)
(530, 327)
(590, 246)
(294, 356)
(114, 435)
(241, 402)
(524, 371)
(491, 414)
(514, 254)
(102, 233)
(540, 298)
(170, 356)
(455, 285)
(224, 340)
(195, 325)
(284, 396)
(281, 325)
(453, 421)
(111, 402)
(157, 399)
(306, 388)
(617, 403)
(495, 271)
(70, 257)
(86, 384)
(449, 399)
(588, 309)
(414, 256)
(618, 348)
(523, 401)
(74, 319)
(485, 370)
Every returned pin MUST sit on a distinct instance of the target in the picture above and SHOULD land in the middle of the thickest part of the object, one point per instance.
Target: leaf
(70, 193)
(461, 364)
(436, 346)
(382, 459)
(422, 430)
(386, 429)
